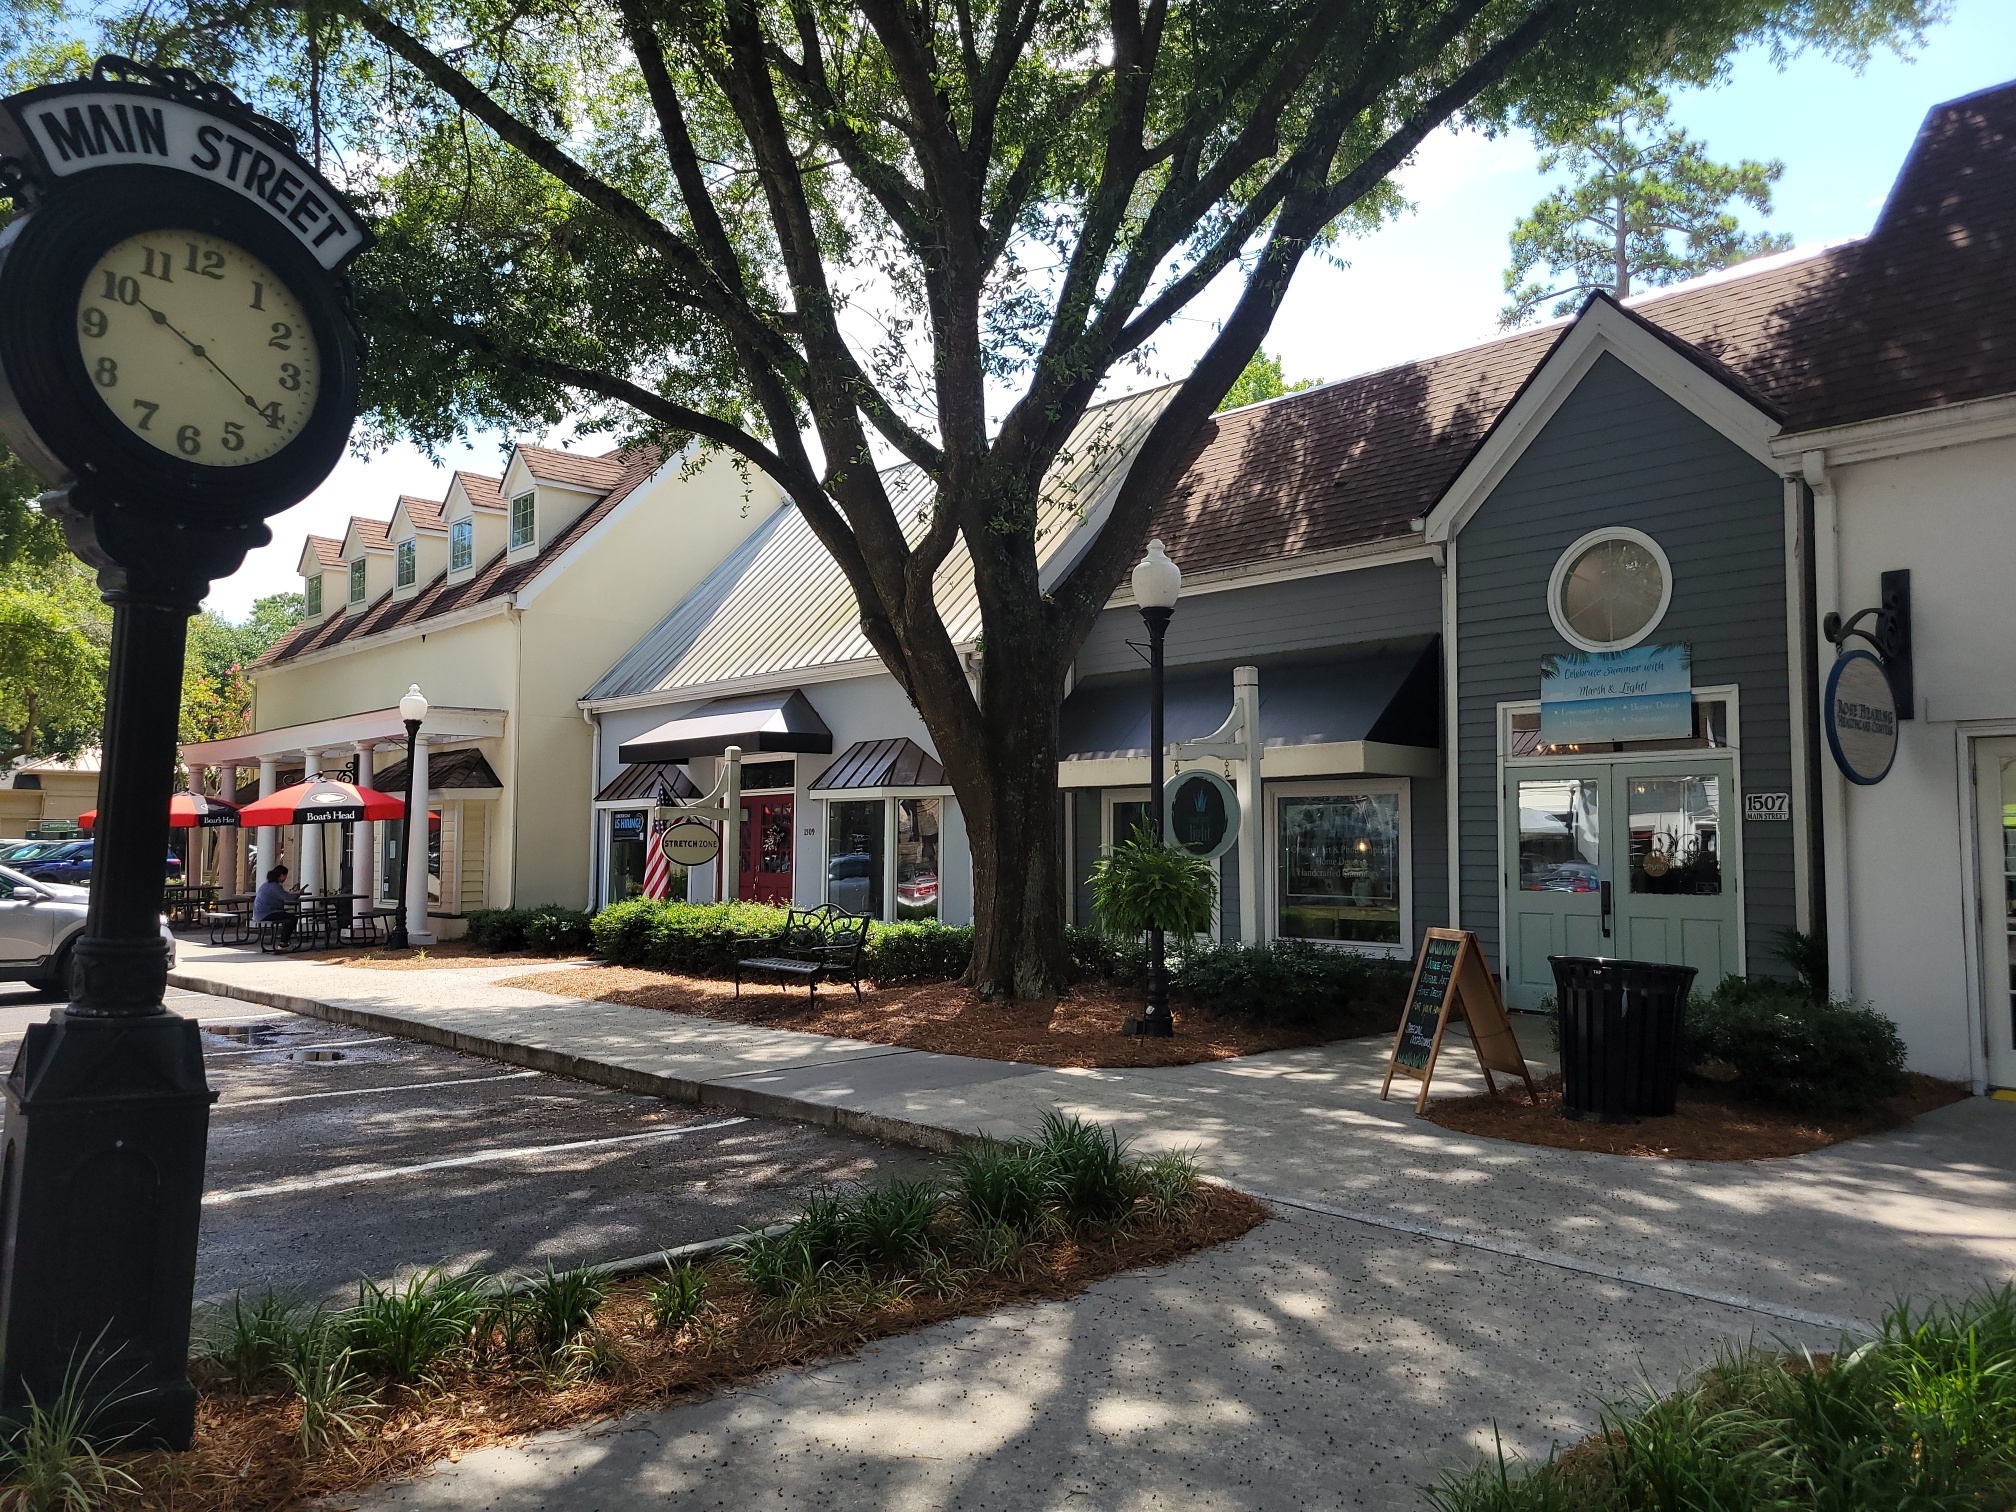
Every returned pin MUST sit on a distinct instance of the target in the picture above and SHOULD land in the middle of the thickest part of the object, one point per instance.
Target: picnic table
(186, 902)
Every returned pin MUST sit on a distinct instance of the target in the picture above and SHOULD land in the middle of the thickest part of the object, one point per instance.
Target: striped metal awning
(643, 779)
(896, 763)
(768, 722)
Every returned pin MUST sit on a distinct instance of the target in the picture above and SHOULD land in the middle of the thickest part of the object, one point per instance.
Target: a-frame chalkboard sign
(1450, 977)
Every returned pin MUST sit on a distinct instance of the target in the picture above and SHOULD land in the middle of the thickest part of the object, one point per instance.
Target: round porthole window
(1610, 589)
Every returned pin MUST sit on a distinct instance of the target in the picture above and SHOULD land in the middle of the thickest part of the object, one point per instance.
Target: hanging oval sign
(1861, 718)
(691, 843)
(1201, 814)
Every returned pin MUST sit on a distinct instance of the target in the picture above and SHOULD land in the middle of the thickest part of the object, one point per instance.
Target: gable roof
(372, 535)
(327, 551)
(780, 604)
(481, 490)
(425, 514)
(570, 469)
(497, 578)
(1913, 316)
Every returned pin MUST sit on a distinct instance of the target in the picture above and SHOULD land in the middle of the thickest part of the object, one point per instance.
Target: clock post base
(107, 1120)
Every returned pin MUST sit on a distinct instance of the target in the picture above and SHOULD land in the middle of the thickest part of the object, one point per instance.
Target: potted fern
(1142, 886)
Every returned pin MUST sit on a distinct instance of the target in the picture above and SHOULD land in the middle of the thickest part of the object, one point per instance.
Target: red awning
(321, 800)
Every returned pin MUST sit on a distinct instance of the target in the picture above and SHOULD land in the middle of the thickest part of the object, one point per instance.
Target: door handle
(1606, 910)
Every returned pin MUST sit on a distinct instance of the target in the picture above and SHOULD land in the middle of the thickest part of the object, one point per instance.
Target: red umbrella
(186, 811)
(320, 800)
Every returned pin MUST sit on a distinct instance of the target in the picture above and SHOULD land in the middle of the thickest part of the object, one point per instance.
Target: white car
(39, 921)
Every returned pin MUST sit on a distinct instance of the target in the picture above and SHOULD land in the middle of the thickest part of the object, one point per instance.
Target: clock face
(197, 347)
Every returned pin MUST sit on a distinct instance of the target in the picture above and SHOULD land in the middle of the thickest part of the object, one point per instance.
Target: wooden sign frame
(1472, 991)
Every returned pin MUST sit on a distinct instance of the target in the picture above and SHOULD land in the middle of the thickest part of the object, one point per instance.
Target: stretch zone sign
(68, 129)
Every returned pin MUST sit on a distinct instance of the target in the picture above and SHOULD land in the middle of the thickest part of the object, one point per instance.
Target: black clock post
(106, 328)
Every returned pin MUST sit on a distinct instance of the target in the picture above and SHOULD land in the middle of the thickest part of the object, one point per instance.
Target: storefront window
(629, 831)
(1676, 835)
(1129, 815)
(855, 850)
(388, 874)
(917, 858)
(1560, 835)
(1339, 862)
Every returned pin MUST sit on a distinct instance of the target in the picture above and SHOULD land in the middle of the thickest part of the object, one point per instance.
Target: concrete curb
(723, 1094)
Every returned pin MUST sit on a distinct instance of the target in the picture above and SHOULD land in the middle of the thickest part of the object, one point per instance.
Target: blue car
(71, 865)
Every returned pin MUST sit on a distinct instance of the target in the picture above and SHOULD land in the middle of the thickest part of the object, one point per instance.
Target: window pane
(1559, 835)
(627, 833)
(1676, 834)
(461, 544)
(314, 596)
(408, 563)
(1612, 591)
(1128, 816)
(521, 519)
(917, 858)
(357, 581)
(854, 853)
(1340, 868)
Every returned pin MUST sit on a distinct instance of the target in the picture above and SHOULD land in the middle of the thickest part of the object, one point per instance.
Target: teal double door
(1635, 859)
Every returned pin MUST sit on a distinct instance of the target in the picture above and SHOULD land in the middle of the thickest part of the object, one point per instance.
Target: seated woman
(274, 902)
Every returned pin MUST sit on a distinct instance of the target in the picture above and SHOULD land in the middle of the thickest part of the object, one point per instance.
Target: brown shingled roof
(571, 469)
(328, 552)
(484, 492)
(496, 578)
(1913, 316)
(375, 534)
(424, 513)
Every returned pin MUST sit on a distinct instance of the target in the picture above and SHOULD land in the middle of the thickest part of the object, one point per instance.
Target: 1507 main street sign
(178, 362)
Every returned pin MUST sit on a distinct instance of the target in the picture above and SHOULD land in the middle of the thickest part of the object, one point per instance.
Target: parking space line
(283, 1049)
(352, 1178)
(466, 1081)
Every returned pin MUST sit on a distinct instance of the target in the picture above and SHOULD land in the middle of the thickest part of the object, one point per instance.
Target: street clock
(175, 330)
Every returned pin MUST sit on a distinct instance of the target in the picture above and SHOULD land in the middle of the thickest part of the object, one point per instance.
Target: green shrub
(559, 931)
(622, 931)
(1000, 1186)
(549, 927)
(1098, 956)
(1292, 982)
(702, 939)
(917, 952)
(1141, 884)
(1089, 1178)
(1820, 1057)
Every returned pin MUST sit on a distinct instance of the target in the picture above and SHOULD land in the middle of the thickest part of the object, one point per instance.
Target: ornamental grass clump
(1921, 1417)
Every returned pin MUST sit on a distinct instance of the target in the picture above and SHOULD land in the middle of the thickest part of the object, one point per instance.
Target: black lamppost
(412, 709)
(1157, 582)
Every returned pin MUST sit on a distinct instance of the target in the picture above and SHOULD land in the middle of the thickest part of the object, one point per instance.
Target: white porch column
(416, 857)
(199, 859)
(268, 841)
(363, 833)
(230, 842)
(311, 834)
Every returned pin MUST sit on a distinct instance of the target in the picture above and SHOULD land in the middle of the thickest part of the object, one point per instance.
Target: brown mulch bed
(247, 1456)
(1081, 1028)
(440, 956)
(1710, 1122)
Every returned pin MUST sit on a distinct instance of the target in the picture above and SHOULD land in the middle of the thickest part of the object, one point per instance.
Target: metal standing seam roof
(779, 604)
(894, 763)
(644, 779)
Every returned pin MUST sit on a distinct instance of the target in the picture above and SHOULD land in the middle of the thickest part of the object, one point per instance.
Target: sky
(1430, 281)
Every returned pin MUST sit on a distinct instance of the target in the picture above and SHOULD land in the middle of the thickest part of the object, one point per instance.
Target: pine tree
(1645, 206)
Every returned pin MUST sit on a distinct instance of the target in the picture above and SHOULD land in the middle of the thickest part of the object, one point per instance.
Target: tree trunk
(1005, 778)
(28, 729)
(1623, 264)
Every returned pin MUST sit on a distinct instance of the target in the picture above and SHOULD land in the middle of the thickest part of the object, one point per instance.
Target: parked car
(71, 863)
(15, 852)
(39, 921)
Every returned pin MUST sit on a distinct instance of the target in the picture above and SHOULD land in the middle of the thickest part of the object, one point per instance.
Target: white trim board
(1341, 758)
(1901, 435)
(1602, 329)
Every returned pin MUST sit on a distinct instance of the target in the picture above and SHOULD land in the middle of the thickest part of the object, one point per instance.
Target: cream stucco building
(502, 601)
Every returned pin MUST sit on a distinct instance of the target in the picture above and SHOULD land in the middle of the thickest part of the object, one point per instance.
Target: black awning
(463, 768)
(643, 780)
(895, 763)
(778, 722)
(1388, 691)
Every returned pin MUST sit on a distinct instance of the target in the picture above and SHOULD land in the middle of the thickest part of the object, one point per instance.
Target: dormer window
(522, 521)
(314, 596)
(461, 545)
(357, 581)
(406, 561)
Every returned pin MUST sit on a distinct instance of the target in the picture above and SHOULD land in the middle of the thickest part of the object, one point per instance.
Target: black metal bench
(815, 945)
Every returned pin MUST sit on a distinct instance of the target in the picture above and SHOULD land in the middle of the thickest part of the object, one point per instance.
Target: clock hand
(196, 347)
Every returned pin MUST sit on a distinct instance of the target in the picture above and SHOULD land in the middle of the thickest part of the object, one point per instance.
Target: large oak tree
(823, 235)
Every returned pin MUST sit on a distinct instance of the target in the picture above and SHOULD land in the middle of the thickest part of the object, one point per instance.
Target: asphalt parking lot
(336, 1153)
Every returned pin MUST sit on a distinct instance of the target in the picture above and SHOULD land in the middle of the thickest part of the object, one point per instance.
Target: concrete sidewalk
(1422, 1286)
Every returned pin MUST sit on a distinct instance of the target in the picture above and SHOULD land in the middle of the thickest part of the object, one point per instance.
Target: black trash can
(1620, 1036)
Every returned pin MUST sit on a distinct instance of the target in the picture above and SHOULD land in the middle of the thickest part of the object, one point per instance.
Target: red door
(766, 850)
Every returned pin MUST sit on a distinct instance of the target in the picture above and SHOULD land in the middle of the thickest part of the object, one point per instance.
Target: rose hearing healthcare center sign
(1594, 697)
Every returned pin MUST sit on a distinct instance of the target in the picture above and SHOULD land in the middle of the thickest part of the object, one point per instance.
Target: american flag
(658, 870)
